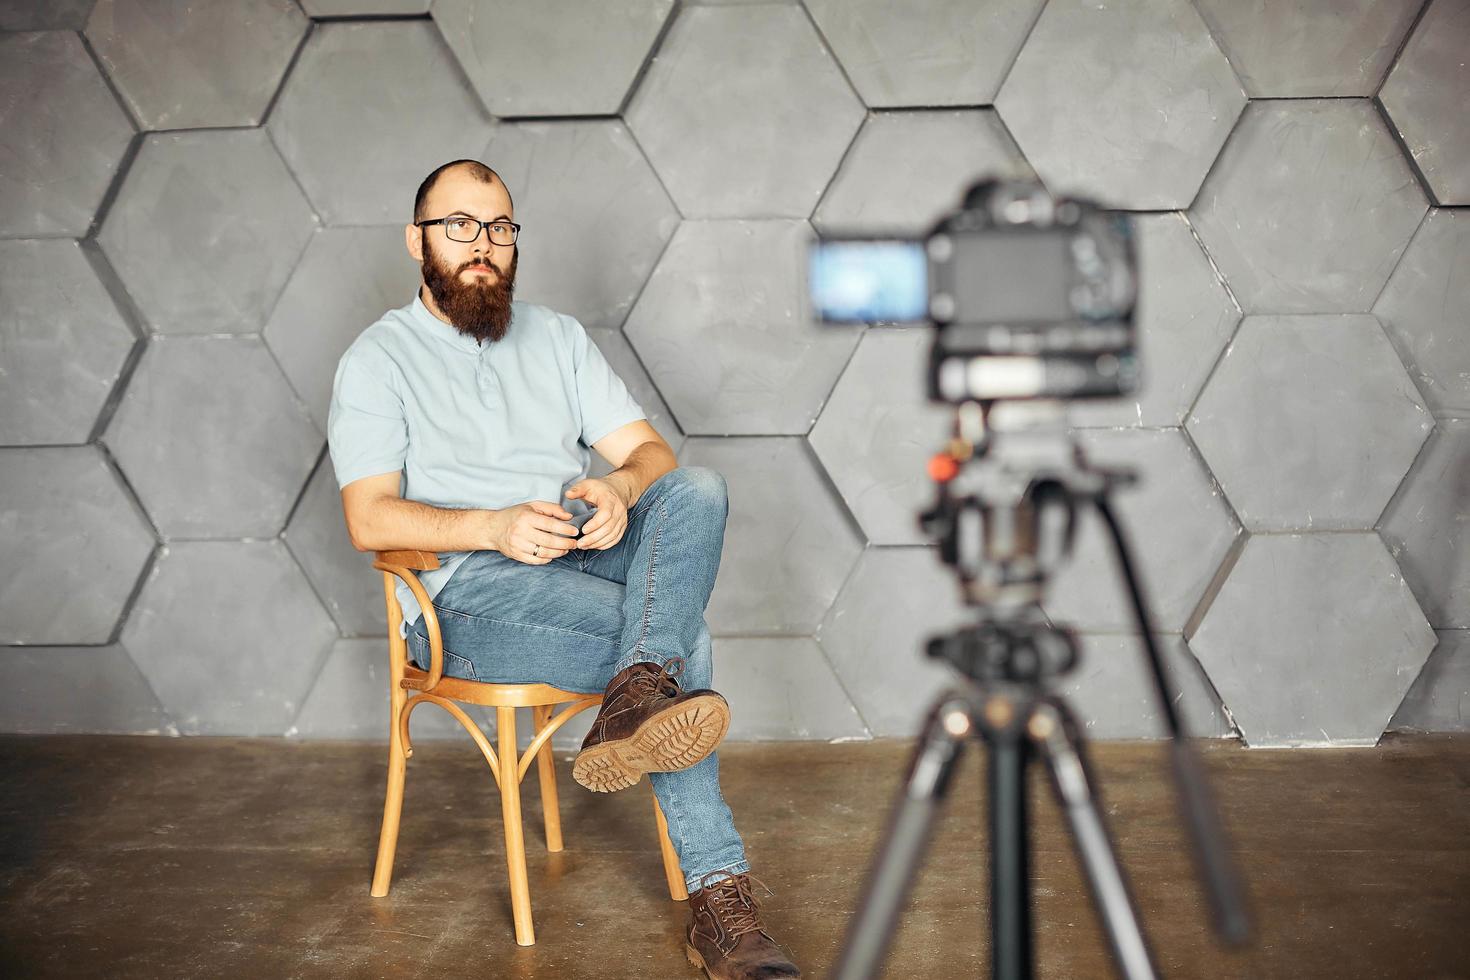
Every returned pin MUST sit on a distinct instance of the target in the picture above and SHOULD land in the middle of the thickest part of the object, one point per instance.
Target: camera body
(1032, 296)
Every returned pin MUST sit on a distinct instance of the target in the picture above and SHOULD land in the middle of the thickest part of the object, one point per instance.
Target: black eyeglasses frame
(484, 227)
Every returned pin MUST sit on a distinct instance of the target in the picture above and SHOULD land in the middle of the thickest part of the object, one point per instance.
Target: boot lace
(733, 900)
(645, 686)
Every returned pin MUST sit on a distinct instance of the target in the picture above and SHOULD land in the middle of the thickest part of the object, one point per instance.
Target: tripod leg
(1052, 727)
(930, 769)
(1010, 897)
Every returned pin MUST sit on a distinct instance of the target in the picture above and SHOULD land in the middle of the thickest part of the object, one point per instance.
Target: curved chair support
(549, 729)
(459, 715)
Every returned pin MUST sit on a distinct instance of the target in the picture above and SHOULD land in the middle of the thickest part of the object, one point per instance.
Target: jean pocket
(454, 664)
(457, 666)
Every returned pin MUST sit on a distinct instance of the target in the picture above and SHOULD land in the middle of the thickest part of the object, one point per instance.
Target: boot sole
(695, 959)
(673, 739)
(698, 961)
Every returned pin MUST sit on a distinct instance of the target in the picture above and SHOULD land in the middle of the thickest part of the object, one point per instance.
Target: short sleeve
(367, 430)
(604, 400)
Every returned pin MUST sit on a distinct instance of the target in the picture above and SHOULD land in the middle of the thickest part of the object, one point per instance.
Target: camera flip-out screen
(869, 280)
(999, 277)
(1010, 277)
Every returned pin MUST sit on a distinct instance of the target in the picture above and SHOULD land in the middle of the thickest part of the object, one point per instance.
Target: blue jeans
(579, 619)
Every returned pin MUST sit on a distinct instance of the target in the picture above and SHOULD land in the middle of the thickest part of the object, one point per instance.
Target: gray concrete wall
(200, 207)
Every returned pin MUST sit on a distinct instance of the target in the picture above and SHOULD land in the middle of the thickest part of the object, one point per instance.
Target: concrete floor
(152, 857)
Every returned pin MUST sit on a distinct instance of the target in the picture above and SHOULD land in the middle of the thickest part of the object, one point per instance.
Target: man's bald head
(473, 169)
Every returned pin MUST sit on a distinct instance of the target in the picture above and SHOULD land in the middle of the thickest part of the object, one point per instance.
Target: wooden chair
(507, 763)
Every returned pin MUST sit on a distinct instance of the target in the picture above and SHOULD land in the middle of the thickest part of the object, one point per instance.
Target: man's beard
(478, 308)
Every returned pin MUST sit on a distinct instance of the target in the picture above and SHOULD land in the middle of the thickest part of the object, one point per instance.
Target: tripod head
(1008, 484)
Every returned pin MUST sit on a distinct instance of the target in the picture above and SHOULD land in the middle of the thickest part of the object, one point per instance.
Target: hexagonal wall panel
(1426, 95)
(229, 635)
(62, 135)
(1313, 639)
(350, 698)
(56, 506)
(1125, 102)
(181, 64)
(551, 57)
(724, 329)
(81, 690)
(212, 438)
(356, 8)
(874, 634)
(1310, 422)
(1428, 526)
(956, 53)
(44, 15)
(343, 577)
(596, 218)
(352, 85)
(1177, 522)
(1183, 320)
(1310, 47)
(1439, 701)
(625, 363)
(908, 169)
(64, 343)
(1309, 207)
(1426, 308)
(206, 229)
(877, 432)
(1112, 689)
(788, 542)
(781, 687)
(730, 141)
(347, 279)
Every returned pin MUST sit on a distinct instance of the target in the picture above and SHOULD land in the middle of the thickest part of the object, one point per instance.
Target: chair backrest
(402, 565)
(418, 561)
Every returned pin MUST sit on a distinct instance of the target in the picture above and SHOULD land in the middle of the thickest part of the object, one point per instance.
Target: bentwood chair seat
(412, 687)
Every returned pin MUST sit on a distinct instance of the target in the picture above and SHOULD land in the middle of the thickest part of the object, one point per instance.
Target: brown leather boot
(647, 724)
(726, 937)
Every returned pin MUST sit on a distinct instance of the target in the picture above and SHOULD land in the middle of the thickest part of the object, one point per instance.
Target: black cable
(1156, 663)
(1201, 815)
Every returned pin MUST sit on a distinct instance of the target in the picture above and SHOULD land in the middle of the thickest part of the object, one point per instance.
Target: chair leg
(672, 872)
(546, 774)
(515, 838)
(392, 810)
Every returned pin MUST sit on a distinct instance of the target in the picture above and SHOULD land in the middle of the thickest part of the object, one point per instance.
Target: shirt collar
(446, 332)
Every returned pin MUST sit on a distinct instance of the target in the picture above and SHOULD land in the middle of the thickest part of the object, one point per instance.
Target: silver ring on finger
(536, 550)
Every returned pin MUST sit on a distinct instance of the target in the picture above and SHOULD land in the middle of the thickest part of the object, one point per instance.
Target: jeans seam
(652, 565)
(674, 818)
(529, 626)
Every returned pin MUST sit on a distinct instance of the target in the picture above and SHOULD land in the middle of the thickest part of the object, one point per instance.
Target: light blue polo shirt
(473, 425)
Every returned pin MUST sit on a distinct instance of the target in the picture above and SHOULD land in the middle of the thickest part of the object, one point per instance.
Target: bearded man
(461, 424)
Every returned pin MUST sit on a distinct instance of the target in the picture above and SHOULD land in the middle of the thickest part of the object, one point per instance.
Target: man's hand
(533, 533)
(607, 526)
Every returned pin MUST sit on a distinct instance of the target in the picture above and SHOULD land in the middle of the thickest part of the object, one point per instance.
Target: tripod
(1006, 516)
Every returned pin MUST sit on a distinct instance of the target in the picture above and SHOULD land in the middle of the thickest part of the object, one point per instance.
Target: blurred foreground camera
(1032, 296)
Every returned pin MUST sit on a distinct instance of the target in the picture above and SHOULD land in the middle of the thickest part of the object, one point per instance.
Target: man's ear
(413, 237)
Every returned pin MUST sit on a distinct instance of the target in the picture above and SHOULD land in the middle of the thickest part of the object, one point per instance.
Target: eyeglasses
(461, 228)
